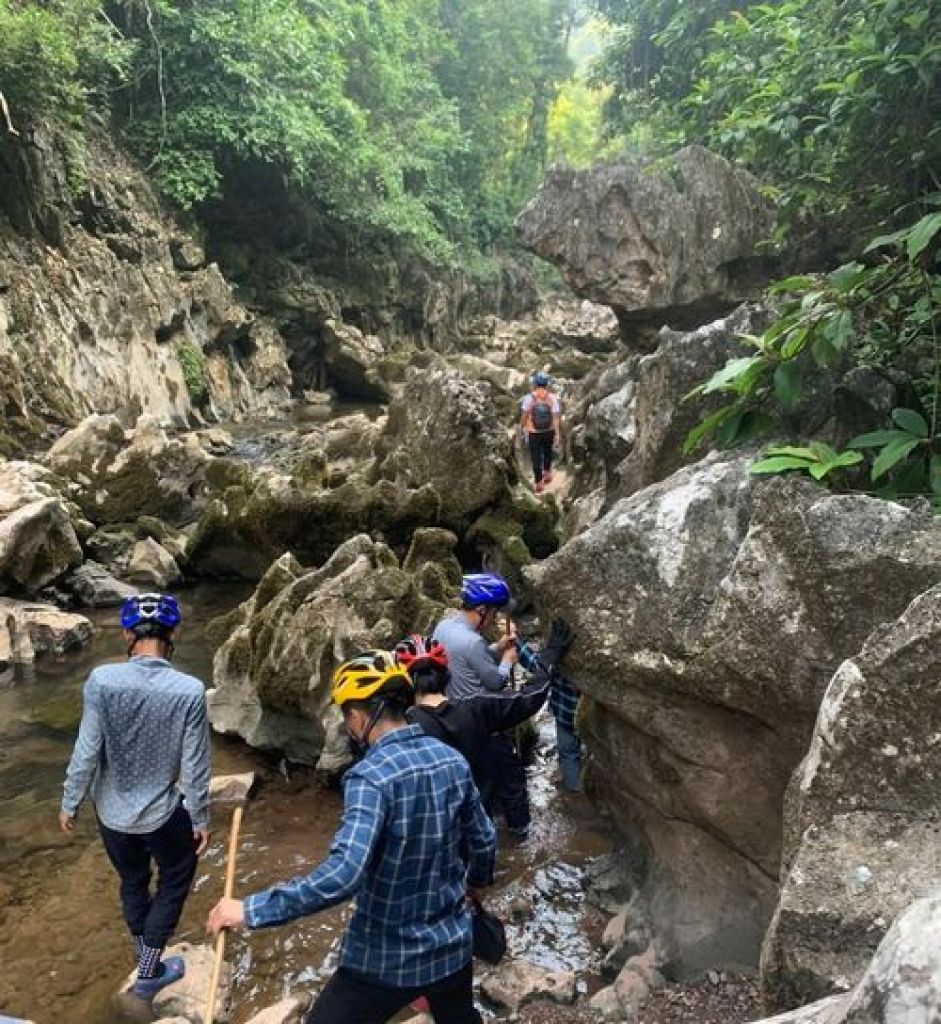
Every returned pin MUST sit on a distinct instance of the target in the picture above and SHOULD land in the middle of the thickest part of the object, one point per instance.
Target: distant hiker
(143, 755)
(469, 725)
(476, 668)
(411, 813)
(541, 422)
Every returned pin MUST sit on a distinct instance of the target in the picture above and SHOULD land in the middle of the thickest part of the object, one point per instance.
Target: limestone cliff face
(108, 305)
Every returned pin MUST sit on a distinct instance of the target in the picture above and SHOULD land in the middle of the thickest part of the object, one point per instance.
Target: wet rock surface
(185, 999)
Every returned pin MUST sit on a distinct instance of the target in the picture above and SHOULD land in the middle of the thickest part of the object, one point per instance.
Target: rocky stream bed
(759, 658)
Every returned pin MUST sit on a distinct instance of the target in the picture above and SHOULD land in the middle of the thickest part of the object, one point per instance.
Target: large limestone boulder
(863, 822)
(444, 432)
(664, 244)
(630, 419)
(309, 514)
(655, 395)
(272, 676)
(902, 984)
(38, 539)
(95, 587)
(351, 361)
(152, 566)
(79, 453)
(719, 610)
(148, 473)
(37, 544)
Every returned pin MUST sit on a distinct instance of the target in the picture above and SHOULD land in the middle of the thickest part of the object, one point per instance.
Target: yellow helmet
(370, 674)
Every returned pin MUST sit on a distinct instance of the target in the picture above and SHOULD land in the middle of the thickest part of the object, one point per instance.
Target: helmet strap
(361, 743)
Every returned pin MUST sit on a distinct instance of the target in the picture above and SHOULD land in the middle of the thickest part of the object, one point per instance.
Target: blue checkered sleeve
(481, 838)
(337, 877)
(563, 702)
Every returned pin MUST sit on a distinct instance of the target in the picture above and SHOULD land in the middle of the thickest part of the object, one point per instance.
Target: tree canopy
(835, 104)
(419, 119)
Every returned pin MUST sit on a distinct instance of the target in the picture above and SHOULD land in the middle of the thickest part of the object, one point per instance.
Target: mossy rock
(221, 474)
(436, 546)
(392, 366)
(309, 470)
(151, 526)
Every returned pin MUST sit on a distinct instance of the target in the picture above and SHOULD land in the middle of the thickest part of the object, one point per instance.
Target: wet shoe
(169, 971)
(518, 835)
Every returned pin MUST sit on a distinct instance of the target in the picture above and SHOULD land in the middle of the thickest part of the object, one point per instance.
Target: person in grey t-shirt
(142, 754)
(476, 668)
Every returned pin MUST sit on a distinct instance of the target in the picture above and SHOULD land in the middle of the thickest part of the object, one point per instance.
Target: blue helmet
(540, 379)
(151, 609)
(485, 588)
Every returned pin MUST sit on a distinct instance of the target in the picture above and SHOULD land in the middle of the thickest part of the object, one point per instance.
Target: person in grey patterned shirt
(143, 756)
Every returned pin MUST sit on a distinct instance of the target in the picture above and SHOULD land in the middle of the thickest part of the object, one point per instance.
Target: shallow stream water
(63, 947)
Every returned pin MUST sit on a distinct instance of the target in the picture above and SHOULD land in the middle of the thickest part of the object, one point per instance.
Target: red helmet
(416, 649)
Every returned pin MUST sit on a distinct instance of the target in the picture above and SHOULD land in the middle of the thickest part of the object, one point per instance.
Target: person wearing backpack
(541, 421)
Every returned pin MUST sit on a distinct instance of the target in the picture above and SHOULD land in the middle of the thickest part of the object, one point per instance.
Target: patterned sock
(148, 963)
(138, 945)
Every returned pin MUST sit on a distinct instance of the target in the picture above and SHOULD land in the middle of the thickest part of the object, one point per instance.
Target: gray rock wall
(863, 824)
(710, 613)
(103, 298)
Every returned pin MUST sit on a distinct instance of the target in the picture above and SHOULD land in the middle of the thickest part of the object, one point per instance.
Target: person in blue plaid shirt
(414, 840)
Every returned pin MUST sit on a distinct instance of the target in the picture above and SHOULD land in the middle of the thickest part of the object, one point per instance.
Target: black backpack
(541, 414)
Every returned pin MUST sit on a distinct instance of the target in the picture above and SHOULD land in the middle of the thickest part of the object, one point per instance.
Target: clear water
(63, 948)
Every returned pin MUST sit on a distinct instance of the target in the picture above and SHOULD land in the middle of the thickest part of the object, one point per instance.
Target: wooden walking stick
(209, 1015)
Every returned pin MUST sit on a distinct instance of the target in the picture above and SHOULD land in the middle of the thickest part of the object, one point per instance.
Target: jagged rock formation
(107, 305)
(39, 528)
(862, 824)
(444, 433)
(718, 611)
(118, 477)
(902, 984)
(632, 418)
(658, 246)
(272, 676)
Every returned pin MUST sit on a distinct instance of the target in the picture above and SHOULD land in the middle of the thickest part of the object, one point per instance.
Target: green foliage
(819, 460)
(193, 365)
(420, 121)
(835, 103)
(575, 124)
(506, 62)
(881, 315)
(58, 57)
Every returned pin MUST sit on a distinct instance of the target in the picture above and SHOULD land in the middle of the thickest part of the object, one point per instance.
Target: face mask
(358, 747)
(360, 744)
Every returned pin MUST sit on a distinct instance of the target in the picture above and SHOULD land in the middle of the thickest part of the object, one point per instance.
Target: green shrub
(193, 365)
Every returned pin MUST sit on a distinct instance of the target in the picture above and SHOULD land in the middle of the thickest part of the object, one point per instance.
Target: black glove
(560, 640)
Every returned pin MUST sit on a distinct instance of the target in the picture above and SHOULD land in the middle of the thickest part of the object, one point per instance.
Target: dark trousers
(349, 999)
(154, 915)
(540, 451)
(509, 776)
